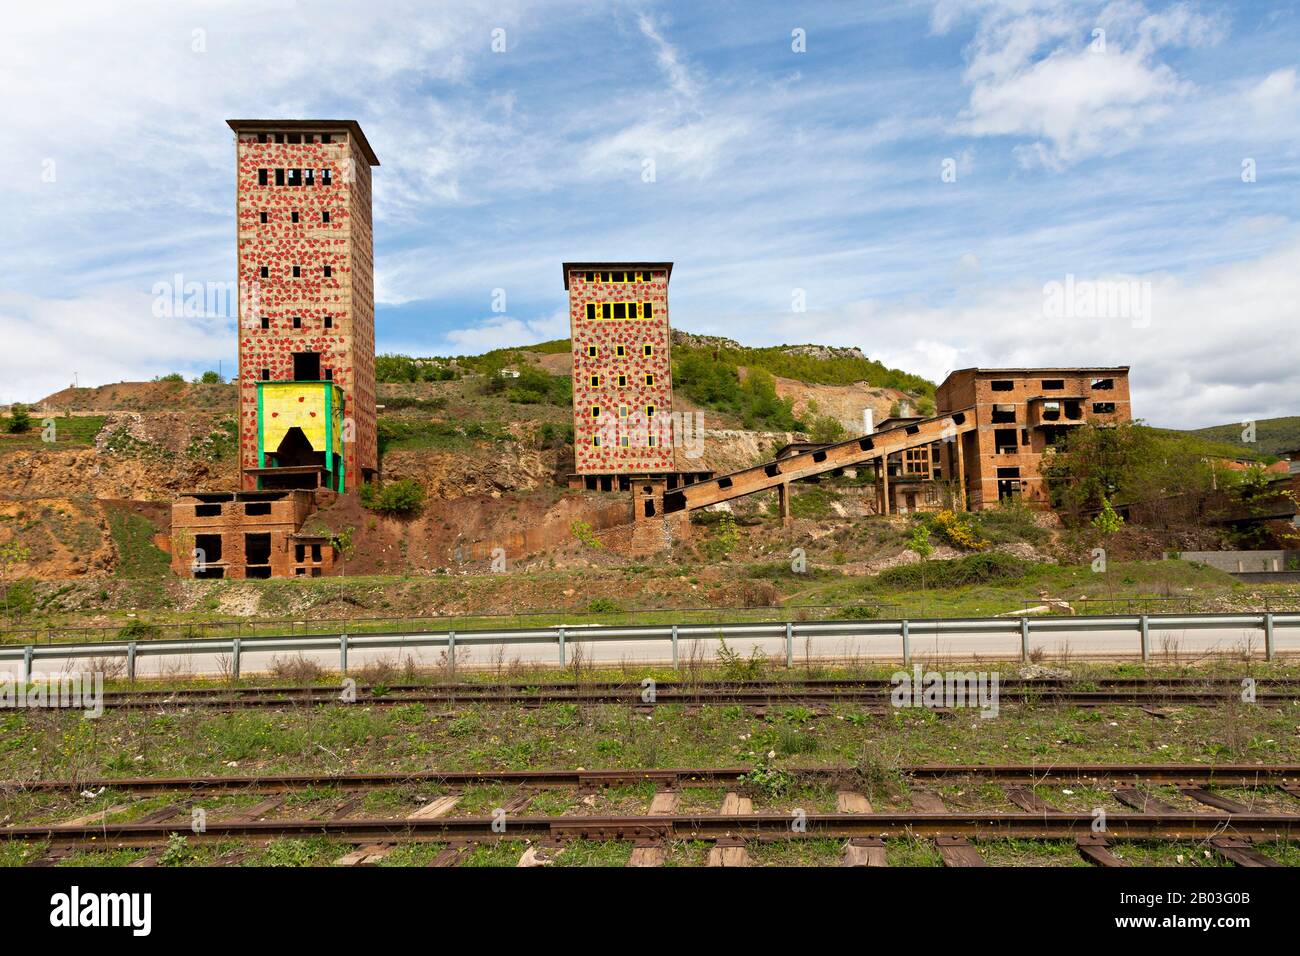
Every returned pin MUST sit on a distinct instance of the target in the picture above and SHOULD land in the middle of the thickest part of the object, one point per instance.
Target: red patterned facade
(634, 422)
(316, 220)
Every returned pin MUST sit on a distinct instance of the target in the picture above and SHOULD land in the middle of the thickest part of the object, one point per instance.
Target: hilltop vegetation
(1273, 436)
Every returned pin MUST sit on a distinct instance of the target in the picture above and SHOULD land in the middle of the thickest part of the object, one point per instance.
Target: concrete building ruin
(305, 260)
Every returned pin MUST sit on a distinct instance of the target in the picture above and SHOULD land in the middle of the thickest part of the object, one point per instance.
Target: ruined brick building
(305, 263)
(1021, 414)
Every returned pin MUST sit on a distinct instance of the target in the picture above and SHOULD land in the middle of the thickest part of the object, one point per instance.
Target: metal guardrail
(560, 636)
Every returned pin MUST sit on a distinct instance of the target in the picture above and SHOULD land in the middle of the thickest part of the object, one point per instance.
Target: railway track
(1220, 823)
(1285, 776)
(869, 692)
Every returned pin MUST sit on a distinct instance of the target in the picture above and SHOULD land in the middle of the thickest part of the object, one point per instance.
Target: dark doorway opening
(257, 548)
(306, 366)
(209, 548)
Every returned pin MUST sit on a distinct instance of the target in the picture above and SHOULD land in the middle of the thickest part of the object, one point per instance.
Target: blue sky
(778, 176)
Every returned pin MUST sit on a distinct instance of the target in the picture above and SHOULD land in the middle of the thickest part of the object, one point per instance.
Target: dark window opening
(819, 456)
(1004, 441)
(207, 511)
(262, 216)
(329, 375)
(295, 451)
(266, 322)
(293, 217)
(297, 272)
(295, 139)
(315, 552)
(959, 418)
(328, 271)
(329, 321)
(259, 571)
(1103, 408)
(306, 366)
(866, 444)
(299, 571)
(649, 507)
(772, 470)
(210, 572)
(1003, 385)
(277, 138)
(327, 177)
(1024, 436)
(257, 548)
(674, 501)
(266, 375)
(1053, 384)
(324, 215)
(257, 508)
(724, 482)
(1103, 384)
(279, 177)
(210, 547)
(309, 177)
(261, 137)
(266, 272)
(1004, 414)
(300, 554)
(263, 177)
(591, 310)
(647, 310)
(326, 137)
(293, 177)
(297, 321)
(912, 429)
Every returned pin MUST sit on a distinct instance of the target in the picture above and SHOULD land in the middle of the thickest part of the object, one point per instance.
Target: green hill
(1273, 436)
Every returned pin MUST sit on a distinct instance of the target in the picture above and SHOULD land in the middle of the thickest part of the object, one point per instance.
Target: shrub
(603, 606)
(404, 496)
(826, 430)
(984, 568)
(19, 420)
(957, 530)
(210, 378)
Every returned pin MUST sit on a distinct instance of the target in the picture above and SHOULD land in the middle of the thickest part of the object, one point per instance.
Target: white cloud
(1041, 73)
(1221, 345)
(112, 336)
(498, 332)
(669, 60)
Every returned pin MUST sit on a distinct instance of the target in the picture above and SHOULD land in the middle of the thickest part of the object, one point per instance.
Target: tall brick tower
(307, 305)
(622, 369)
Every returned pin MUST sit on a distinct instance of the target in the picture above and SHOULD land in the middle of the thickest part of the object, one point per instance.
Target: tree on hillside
(19, 420)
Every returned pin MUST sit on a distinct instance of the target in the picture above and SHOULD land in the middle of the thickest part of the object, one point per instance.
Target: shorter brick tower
(622, 368)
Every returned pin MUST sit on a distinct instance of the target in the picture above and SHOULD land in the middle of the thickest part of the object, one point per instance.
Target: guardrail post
(1268, 636)
(451, 652)
(343, 653)
(789, 644)
(27, 663)
(1024, 640)
(674, 647)
(1146, 638)
(130, 662)
(561, 647)
(234, 658)
(907, 642)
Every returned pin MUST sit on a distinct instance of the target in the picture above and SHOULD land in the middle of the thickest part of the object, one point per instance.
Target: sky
(941, 184)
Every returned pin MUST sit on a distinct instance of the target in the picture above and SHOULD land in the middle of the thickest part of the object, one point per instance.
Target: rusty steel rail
(1224, 775)
(759, 826)
(877, 696)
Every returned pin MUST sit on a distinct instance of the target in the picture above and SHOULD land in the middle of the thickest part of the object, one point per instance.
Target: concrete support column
(783, 502)
(961, 474)
(884, 478)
